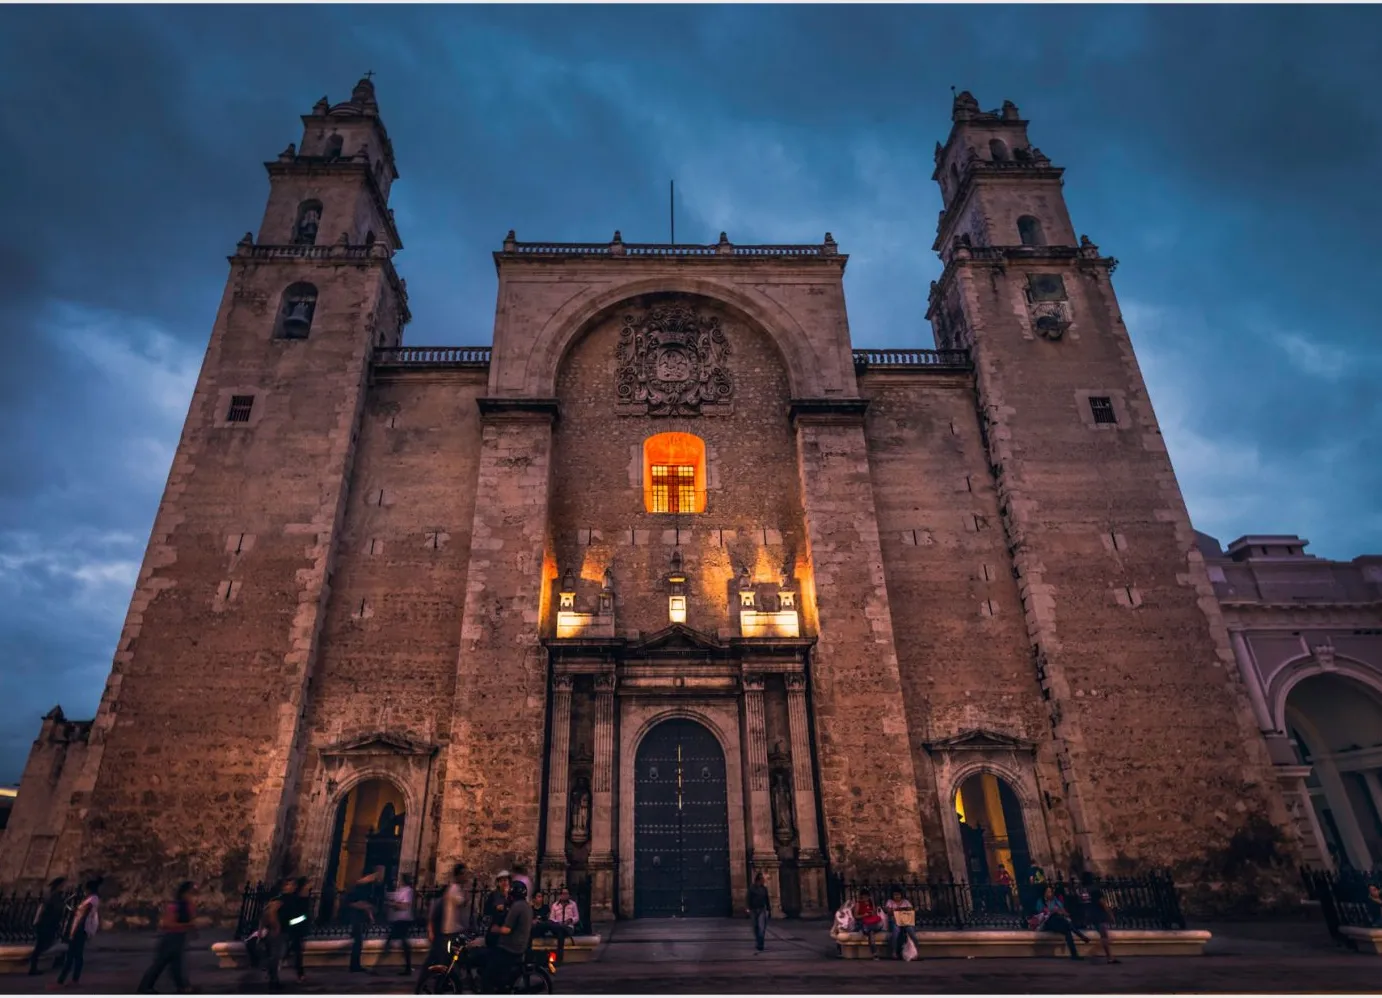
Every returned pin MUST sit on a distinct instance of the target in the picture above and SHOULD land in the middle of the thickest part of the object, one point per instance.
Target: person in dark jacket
(759, 910)
(296, 916)
(48, 922)
(360, 906)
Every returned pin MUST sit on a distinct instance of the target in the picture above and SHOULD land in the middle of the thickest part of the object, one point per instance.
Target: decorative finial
(322, 106)
(723, 238)
(247, 239)
(618, 237)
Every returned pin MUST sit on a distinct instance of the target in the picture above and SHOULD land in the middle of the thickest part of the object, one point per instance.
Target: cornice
(828, 410)
(500, 407)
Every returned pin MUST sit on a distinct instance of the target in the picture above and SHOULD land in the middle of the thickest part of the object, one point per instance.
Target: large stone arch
(1301, 668)
(809, 374)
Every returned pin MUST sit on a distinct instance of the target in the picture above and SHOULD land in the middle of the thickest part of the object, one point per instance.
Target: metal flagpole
(672, 208)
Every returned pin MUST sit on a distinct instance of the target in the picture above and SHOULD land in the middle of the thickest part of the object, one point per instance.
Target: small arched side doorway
(1335, 724)
(991, 830)
(368, 833)
(681, 823)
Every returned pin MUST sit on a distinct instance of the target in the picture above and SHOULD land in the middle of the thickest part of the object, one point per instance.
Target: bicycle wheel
(439, 981)
(533, 981)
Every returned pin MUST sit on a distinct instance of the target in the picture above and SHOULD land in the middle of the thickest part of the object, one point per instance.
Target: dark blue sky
(1228, 156)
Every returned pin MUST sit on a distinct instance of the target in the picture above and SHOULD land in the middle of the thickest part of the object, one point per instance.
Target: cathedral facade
(671, 584)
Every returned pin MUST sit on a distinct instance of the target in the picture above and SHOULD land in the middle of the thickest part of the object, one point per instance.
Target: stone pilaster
(492, 791)
(602, 862)
(558, 780)
(855, 671)
(810, 862)
(763, 856)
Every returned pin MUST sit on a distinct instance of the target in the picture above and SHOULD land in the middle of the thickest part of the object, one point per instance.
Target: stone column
(854, 667)
(552, 870)
(492, 790)
(810, 862)
(603, 862)
(762, 854)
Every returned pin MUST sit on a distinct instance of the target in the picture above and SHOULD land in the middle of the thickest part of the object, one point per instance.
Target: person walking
(86, 922)
(399, 912)
(758, 909)
(1096, 913)
(359, 905)
(48, 921)
(295, 915)
(274, 925)
(445, 921)
(176, 926)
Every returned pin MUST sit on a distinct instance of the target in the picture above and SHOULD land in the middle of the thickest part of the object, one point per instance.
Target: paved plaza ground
(712, 956)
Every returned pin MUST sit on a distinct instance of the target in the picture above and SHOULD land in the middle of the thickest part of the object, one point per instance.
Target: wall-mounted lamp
(676, 582)
(567, 594)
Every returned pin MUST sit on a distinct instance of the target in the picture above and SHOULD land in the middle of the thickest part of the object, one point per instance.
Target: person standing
(759, 911)
(904, 919)
(275, 929)
(360, 910)
(176, 926)
(399, 912)
(86, 922)
(512, 940)
(48, 921)
(496, 910)
(296, 916)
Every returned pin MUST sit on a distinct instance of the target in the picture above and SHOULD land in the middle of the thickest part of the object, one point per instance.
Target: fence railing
(868, 359)
(329, 919)
(1146, 902)
(19, 912)
(433, 356)
(1343, 898)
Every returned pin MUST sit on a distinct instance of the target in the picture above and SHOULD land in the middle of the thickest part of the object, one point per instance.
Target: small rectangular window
(240, 406)
(674, 488)
(1102, 407)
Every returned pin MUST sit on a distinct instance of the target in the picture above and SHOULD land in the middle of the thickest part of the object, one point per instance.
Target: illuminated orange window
(674, 473)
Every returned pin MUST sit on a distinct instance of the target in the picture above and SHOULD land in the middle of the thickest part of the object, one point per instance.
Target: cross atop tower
(370, 75)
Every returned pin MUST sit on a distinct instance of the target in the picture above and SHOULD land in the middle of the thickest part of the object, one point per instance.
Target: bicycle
(464, 972)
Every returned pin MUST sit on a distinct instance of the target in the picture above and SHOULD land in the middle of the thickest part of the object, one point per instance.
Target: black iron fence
(1146, 902)
(330, 917)
(1344, 898)
(19, 916)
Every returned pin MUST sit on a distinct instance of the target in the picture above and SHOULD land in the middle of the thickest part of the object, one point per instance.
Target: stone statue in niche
(784, 824)
(580, 811)
(672, 362)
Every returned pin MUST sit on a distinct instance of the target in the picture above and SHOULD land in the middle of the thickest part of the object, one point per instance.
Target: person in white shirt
(86, 922)
(558, 920)
(398, 911)
(445, 920)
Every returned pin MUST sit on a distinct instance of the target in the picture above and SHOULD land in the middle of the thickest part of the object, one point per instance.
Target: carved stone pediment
(676, 638)
(378, 743)
(673, 362)
(980, 740)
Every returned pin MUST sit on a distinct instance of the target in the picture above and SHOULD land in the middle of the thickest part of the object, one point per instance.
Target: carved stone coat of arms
(672, 362)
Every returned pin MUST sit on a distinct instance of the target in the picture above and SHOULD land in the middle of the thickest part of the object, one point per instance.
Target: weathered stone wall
(391, 639)
(964, 658)
(1161, 760)
(35, 824)
(752, 516)
(194, 745)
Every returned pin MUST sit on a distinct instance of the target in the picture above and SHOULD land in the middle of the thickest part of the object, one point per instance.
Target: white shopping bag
(909, 950)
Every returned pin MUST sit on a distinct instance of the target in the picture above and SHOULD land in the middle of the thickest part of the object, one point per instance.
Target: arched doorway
(1335, 724)
(992, 830)
(680, 823)
(368, 834)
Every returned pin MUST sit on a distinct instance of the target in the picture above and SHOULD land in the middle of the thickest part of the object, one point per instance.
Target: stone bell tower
(223, 628)
(1159, 759)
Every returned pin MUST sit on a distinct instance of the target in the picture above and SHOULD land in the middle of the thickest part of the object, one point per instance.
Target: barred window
(674, 488)
(1102, 407)
(674, 479)
(240, 406)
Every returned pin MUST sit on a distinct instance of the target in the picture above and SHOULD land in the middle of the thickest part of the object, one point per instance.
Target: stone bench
(1025, 943)
(336, 952)
(1363, 938)
(14, 957)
